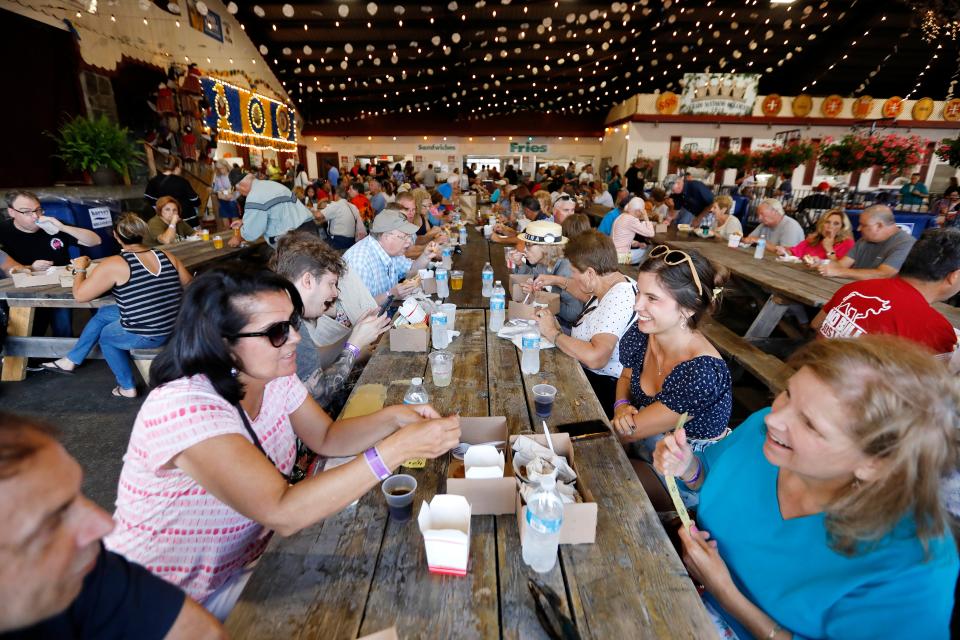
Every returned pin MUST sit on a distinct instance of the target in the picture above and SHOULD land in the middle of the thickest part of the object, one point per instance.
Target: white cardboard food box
(517, 310)
(445, 524)
(579, 519)
(38, 278)
(490, 495)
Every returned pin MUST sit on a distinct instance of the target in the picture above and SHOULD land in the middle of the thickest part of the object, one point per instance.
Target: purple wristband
(355, 350)
(620, 402)
(375, 462)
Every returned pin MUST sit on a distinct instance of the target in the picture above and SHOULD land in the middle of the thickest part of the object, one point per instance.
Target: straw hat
(543, 232)
(404, 187)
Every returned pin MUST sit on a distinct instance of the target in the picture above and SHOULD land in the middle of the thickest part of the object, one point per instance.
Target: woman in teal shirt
(820, 517)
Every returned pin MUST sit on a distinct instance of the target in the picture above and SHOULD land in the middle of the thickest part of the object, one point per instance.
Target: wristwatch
(831, 254)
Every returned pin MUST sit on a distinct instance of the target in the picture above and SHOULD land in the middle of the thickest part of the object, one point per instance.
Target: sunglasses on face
(674, 257)
(278, 333)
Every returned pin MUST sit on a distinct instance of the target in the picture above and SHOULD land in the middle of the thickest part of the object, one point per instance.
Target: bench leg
(20, 324)
(143, 366)
(767, 320)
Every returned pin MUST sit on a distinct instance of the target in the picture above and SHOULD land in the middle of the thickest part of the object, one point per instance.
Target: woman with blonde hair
(227, 208)
(727, 223)
(821, 516)
(832, 240)
(148, 286)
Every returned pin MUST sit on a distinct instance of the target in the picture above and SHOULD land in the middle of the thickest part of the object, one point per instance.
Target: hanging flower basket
(730, 160)
(893, 153)
(949, 151)
(783, 158)
(692, 159)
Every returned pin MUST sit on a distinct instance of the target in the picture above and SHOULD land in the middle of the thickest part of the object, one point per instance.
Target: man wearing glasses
(378, 259)
(39, 241)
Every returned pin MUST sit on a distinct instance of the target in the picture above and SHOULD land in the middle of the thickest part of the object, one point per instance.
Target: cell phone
(386, 308)
(585, 430)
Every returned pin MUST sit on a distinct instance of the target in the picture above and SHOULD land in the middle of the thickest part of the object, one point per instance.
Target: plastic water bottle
(438, 330)
(487, 279)
(530, 348)
(544, 519)
(416, 393)
(443, 283)
(498, 304)
(446, 257)
(761, 248)
(463, 234)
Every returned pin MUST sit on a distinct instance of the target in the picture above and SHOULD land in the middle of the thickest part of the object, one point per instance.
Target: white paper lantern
(287, 10)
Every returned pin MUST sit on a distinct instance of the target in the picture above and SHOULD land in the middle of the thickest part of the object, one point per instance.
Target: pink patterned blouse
(165, 520)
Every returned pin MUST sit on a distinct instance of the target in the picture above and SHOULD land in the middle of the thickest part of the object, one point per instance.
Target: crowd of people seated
(836, 485)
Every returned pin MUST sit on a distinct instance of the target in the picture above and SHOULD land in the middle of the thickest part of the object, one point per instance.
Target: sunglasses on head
(674, 257)
(278, 333)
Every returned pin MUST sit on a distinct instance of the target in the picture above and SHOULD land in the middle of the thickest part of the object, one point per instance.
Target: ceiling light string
(953, 82)
(843, 57)
(920, 76)
(876, 71)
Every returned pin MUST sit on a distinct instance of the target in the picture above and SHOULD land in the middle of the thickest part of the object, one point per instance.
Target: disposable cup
(734, 241)
(398, 491)
(543, 397)
(450, 309)
(441, 366)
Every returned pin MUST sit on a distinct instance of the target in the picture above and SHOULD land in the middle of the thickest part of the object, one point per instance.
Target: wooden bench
(768, 369)
(36, 347)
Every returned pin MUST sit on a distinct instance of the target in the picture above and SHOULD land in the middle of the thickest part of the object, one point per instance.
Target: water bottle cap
(416, 381)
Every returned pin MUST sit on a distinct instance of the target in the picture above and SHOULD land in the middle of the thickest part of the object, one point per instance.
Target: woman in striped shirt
(147, 285)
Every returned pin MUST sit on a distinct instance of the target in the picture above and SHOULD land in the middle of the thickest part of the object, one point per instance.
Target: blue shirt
(378, 202)
(333, 175)
(378, 271)
(606, 225)
(788, 570)
(446, 189)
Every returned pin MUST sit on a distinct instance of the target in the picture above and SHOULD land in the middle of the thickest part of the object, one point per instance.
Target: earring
(234, 372)
(683, 323)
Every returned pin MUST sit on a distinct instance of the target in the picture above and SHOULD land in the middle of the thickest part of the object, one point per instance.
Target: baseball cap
(392, 220)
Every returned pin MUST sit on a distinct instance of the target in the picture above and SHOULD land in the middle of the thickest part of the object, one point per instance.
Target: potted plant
(98, 147)
(949, 151)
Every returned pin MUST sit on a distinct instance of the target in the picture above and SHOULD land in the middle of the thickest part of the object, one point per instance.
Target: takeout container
(428, 284)
(66, 275)
(517, 310)
(493, 495)
(445, 525)
(39, 278)
(414, 338)
(580, 518)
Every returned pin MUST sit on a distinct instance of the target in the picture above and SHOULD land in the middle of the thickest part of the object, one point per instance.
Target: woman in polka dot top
(670, 368)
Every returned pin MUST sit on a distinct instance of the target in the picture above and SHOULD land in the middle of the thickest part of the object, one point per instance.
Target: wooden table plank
(403, 592)
(473, 256)
(518, 617)
(630, 583)
(315, 583)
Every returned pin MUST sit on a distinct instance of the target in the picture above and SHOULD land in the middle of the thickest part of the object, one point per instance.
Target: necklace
(656, 359)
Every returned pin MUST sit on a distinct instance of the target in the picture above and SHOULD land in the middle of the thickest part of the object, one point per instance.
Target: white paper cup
(487, 231)
(412, 311)
(734, 241)
(451, 310)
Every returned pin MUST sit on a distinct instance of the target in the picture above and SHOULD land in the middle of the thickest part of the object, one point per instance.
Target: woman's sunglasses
(278, 333)
(674, 257)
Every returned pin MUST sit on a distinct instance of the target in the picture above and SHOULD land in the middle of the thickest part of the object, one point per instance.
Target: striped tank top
(149, 303)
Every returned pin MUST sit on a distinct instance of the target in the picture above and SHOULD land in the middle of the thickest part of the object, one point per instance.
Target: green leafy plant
(783, 158)
(949, 151)
(730, 160)
(89, 144)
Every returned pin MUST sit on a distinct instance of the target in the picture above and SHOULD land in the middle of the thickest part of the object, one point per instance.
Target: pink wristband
(375, 462)
(355, 350)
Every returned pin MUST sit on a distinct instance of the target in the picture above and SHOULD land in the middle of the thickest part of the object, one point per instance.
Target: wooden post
(20, 324)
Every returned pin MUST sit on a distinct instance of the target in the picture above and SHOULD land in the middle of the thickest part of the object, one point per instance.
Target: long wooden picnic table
(359, 572)
(783, 282)
(23, 303)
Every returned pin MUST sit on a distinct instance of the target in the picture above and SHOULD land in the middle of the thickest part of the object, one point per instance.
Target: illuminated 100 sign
(528, 147)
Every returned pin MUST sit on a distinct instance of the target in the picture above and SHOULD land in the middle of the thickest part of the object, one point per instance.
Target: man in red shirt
(901, 305)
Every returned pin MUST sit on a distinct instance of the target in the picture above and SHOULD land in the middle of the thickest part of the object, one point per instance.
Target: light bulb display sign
(249, 119)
